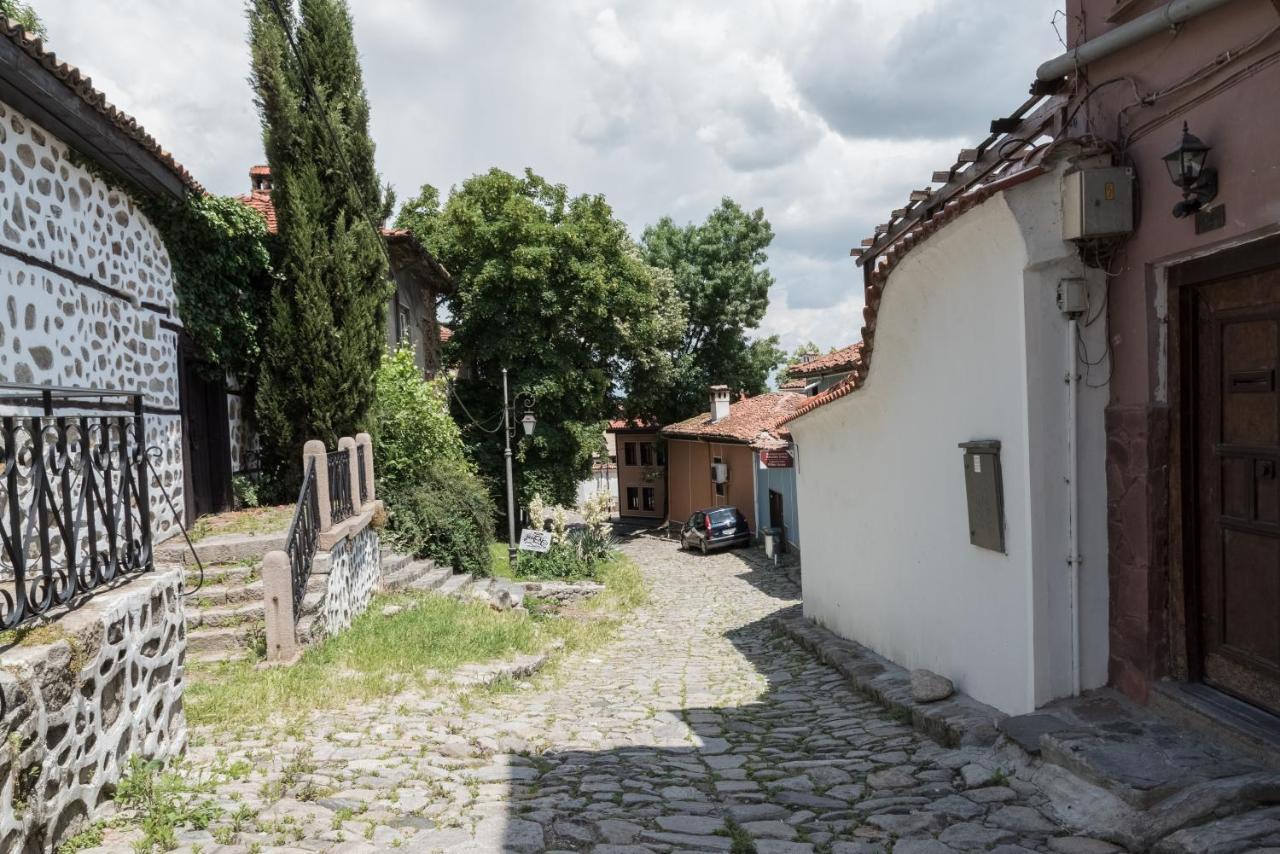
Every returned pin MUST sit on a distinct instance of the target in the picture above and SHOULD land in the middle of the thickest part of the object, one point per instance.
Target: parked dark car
(715, 528)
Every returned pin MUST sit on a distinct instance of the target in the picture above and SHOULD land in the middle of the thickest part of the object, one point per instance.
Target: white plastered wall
(969, 345)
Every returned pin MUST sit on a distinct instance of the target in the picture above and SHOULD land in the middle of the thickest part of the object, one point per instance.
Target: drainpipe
(1167, 17)
(1073, 498)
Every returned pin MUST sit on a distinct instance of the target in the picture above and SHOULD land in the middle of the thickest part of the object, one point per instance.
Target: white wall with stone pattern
(969, 345)
(86, 290)
(104, 686)
(354, 570)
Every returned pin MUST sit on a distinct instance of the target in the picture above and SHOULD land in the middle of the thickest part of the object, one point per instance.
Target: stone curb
(959, 721)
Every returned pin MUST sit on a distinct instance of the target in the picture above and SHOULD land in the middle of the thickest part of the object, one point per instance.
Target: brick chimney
(719, 403)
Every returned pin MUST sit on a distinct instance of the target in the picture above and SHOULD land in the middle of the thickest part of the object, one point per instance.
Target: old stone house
(85, 280)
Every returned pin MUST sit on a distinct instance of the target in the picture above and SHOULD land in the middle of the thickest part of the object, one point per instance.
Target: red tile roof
(750, 420)
(793, 385)
(445, 333)
(82, 86)
(260, 201)
(843, 359)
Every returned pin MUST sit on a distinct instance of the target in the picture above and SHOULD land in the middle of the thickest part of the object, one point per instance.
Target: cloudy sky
(826, 113)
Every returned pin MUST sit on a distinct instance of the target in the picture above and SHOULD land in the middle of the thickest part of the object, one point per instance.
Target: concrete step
(222, 573)
(431, 580)
(406, 576)
(240, 653)
(229, 641)
(226, 615)
(226, 548)
(393, 562)
(454, 583)
(215, 595)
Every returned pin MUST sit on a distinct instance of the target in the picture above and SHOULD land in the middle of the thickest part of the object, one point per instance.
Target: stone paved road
(697, 715)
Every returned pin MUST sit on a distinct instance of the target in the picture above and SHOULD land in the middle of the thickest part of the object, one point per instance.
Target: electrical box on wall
(984, 493)
(1097, 203)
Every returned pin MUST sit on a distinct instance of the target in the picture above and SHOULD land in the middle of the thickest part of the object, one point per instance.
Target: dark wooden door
(775, 509)
(1237, 500)
(208, 440)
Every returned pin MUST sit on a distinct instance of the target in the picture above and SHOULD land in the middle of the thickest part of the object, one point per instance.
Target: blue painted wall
(782, 481)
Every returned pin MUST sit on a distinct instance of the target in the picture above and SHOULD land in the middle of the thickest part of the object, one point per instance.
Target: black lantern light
(1186, 167)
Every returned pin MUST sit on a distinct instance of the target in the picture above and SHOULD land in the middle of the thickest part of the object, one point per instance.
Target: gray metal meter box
(1097, 203)
(984, 492)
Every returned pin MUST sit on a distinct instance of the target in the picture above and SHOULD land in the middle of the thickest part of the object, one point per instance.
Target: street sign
(534, 541)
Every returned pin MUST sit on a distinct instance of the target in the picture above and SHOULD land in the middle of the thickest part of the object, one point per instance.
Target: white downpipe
(1165, 18)
(1073, 500)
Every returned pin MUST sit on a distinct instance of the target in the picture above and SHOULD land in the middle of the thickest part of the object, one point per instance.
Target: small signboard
(775, 460)
(532, 540)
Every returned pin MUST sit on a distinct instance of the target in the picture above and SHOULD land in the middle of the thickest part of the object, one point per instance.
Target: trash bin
(772, 542)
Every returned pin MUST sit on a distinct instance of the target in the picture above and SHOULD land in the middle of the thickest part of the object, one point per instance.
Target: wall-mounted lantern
(1186, 165)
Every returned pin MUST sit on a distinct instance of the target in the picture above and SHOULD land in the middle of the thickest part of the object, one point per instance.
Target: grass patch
(500, 565)
(379, 656)
(248, 522)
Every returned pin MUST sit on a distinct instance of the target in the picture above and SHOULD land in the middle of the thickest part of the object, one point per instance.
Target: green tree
(24, 15)
(552, 288)
(718, 271)
(326, 330)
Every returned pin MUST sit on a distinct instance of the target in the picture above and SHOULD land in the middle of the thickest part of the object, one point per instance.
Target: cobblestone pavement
(696, 729)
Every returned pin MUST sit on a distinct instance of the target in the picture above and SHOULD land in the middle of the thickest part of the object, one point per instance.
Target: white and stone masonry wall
(354, 571)
(79, 698)
(86, 289)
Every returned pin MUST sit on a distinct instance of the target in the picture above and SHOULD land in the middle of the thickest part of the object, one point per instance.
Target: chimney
(719, 403)
(260, 178)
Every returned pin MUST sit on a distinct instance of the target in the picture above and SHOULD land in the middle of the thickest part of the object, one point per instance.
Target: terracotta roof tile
(747, 420)
(445, 333)
(843, 359)
(260, 201)
(82, 86)
(793, 385)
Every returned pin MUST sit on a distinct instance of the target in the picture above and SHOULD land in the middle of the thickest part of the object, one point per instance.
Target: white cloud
(826, 113)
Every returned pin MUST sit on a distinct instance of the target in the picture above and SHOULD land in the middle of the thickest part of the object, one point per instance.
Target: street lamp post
(528, 422)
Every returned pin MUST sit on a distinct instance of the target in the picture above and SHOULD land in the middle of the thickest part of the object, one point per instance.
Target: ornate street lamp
(1187, 170)
(528, 422)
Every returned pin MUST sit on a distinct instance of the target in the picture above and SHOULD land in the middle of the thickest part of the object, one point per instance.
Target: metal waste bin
(772, 542)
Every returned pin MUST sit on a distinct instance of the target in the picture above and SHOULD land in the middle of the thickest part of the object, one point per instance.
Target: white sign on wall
(534, 541)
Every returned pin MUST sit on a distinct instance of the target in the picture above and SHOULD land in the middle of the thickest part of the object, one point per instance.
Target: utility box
(984, 493)
(1097, 203)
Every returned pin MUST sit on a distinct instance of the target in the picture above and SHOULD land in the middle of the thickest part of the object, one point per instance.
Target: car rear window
(724, 515)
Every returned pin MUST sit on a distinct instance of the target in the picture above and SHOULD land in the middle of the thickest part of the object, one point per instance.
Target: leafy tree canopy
(326, 333)
(23, 14)
(552, 288)
(718, 271)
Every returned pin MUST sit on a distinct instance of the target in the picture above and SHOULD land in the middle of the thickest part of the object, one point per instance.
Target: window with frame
(633, 498)
(646, 454)
(650, 500)
(722, 489)
(629, 453)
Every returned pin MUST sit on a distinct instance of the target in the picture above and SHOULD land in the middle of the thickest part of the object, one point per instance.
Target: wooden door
(1236, 407)
(208, 439)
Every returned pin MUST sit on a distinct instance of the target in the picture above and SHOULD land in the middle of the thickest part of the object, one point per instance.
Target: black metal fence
(304, 536)
(74, 509)
(364, 474)
(340, 485)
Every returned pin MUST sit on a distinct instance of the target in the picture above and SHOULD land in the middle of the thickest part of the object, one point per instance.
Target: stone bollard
(315, 450)
(364, 444)
(353, 471)
(277, 600)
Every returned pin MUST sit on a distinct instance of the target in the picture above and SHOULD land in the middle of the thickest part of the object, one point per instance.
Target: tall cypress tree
(325, 332)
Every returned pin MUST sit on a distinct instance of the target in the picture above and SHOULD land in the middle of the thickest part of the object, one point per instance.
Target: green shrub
(444, 514)
(438, 507)
(574, 554)
(245, 490)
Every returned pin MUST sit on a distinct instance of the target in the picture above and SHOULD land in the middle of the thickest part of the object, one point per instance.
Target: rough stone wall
(104, 683)
(88, 297)
(353, 575)
(244, 441)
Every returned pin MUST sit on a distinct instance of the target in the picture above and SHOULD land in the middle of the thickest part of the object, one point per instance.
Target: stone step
(226, 615)
(214, 595)
(454, 583)
(210, 642)
(406, 576)
(225, 548)
(222, 573)
(431, 580)
(238, 653)
(393, 562)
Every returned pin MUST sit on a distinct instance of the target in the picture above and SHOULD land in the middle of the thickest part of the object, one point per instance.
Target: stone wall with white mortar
(80, 697)
(356, 566)
(86, 290)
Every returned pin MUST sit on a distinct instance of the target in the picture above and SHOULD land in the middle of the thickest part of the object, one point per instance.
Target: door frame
(217, 430)
(1185, 627)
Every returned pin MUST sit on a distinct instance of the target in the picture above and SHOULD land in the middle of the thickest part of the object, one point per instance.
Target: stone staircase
(225, 615)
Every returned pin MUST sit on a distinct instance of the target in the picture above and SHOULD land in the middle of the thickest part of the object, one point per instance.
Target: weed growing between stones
(162, 800)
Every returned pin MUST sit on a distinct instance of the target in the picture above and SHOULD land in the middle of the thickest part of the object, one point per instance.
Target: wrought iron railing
(364, 474)
(304, 536)
(340, 485)
(74, 508)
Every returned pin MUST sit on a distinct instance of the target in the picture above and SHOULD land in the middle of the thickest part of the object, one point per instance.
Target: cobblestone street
(698, 728)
